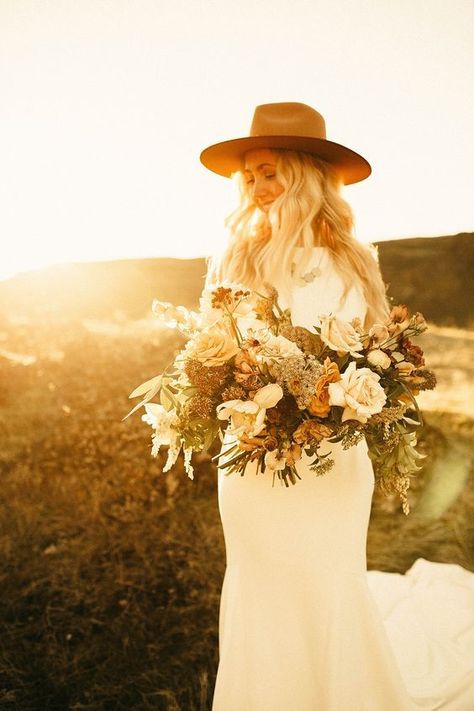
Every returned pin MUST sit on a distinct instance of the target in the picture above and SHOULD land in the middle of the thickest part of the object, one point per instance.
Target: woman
(299, 629)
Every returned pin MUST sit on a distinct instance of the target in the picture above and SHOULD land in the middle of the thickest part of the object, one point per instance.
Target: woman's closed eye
(268, 177)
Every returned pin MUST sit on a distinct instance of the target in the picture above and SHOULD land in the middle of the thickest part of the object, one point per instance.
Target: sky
(107, 104)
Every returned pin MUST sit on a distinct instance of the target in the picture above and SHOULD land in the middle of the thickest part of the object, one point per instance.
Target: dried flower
(306, 341)
(311, 432)
(352, 438)
(270, 443)
(322, 466)
(424, 379)
(299, 374)
(233, 392)
(199, 406)
(413, 353)
(207, 379)
(389, 414)
(398, 319)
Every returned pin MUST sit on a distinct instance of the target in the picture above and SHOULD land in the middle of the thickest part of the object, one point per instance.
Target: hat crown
(287, 118)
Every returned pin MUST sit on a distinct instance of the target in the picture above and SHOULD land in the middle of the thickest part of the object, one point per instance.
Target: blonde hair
(309, 212)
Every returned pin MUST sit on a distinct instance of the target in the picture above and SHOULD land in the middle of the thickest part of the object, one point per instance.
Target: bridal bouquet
(279, 390)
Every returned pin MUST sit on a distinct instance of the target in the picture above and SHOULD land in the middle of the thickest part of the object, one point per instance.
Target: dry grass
(110, 571)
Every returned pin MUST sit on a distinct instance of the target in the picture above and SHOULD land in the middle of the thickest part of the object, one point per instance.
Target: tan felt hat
(293, 126)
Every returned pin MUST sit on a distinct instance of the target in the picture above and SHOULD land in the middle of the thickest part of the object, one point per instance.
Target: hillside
(432, 275)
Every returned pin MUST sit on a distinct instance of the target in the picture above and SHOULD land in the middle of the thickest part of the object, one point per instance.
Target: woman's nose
(259, 188)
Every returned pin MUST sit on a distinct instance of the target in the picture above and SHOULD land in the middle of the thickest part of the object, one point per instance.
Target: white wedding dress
(303, 626)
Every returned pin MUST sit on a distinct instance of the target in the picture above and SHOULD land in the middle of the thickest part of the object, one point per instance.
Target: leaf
(335, 438)
(233, 448)
(165, 399)
(153, 384)
(409, 419)
(151, 387)
(233, 460)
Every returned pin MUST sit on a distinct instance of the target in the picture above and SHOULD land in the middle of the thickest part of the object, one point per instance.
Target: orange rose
(319, 405)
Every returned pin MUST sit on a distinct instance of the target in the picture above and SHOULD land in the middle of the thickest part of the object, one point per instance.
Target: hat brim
(226, 157)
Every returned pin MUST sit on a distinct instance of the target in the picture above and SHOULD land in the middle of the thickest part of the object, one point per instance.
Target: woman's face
(259, 174)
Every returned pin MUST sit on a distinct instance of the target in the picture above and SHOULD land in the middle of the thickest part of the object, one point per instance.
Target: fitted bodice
(321, 294)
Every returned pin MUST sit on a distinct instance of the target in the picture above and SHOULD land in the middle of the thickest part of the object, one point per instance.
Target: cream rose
(358, 392)
(276, 348)
(212, 346)
(340, 336)
(378, 358)
(247, 417)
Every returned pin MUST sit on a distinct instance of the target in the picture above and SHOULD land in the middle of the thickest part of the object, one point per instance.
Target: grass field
(111, 571)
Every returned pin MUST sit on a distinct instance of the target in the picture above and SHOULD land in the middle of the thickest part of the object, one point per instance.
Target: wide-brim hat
(293, 126)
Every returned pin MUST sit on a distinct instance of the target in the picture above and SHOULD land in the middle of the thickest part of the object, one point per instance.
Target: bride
(299, 625)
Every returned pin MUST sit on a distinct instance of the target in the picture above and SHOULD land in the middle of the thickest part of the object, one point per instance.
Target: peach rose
(212, 346)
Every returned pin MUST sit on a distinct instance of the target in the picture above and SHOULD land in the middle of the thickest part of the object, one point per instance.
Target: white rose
(340, 336)
(378, 358)
(358, 392)
(213, 346)
(247, 417)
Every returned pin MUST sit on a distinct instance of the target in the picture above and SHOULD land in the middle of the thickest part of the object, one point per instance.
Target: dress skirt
(299, 629)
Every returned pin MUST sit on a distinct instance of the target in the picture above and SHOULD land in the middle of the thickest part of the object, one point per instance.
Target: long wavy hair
(309, 212)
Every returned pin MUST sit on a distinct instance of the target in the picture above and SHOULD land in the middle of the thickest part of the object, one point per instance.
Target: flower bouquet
(279, 390)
